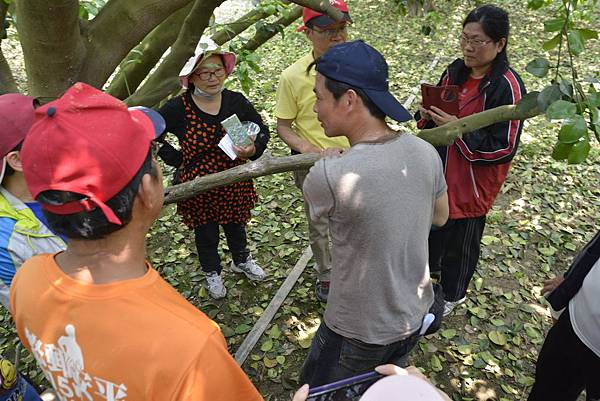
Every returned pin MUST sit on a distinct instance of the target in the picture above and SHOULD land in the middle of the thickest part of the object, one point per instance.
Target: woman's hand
(245, 152)
(551, 284)
(440, 117)
(424, 113)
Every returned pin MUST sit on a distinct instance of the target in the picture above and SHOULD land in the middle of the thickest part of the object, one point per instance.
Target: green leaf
(552, 43)
(554, 25)
(489, 239)
(280, 359)
(579, 152)
(538, 67)
(572, 129)
(547, 251)
(561, 151)
(269, 363)
(548, 95)
(588, 34)
(497, 337)
(566, 88)
(576, 42)
(267, 346)
(436, 364)
(528, 102)
(448, 333)
(275, 333)
(242, 328)
(464, 349)
(535, 4)
(560, 110)
(305, 342)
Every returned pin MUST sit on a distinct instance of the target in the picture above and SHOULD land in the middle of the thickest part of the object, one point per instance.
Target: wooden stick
(252, 338)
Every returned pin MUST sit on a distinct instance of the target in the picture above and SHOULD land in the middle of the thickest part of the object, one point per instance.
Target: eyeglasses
(475, 43)
(205, 76)
(333, 32)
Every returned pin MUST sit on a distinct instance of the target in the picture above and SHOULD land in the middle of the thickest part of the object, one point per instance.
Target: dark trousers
(207, 243)
(454, 250)
(565, 366)
(333, 357)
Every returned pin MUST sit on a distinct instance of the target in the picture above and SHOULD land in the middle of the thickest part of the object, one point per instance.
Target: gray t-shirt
(584, 309)
(379, 198)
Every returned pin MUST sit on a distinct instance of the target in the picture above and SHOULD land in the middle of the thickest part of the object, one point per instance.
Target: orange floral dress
(199, 137)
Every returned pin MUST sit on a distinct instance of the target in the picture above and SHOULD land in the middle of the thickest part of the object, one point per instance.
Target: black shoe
(322, 290)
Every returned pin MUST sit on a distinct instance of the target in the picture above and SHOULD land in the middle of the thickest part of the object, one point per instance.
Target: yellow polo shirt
(295, 101)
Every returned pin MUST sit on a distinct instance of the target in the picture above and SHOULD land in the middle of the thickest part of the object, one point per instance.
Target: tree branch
(52, 47)
(7, 80)
(164, 79)
(140, 61)
(264, 34)
(322, 6)
(119, 27)
(266, 165)
(446, 134)
(233, 29)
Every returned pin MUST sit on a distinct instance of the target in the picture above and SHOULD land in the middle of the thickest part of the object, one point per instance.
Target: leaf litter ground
(547, 210)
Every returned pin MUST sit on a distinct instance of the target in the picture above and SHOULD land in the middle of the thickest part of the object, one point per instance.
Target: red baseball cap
(16, 118)
(90, 143)
(323, 20)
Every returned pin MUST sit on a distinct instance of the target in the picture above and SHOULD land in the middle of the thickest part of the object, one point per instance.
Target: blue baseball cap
(360, 65)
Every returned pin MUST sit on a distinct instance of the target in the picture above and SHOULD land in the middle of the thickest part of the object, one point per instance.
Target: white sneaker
(449, 306)
(215, 286)
(250, 268)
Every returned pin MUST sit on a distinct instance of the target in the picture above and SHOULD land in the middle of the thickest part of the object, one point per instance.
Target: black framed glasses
(475, 43)
(205, 75)
(332, 32)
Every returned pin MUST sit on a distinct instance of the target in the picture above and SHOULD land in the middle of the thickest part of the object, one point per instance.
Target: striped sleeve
(496, 143)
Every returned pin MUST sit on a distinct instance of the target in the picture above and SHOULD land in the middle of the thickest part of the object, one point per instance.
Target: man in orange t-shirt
(100, 321)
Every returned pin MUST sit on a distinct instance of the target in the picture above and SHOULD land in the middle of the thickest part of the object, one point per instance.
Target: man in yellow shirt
(297, 123)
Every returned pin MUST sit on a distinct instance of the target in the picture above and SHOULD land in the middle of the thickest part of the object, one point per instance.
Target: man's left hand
(440, 117)
(244, 152)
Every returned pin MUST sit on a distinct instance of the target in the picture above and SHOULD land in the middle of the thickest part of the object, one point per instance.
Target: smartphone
(442, 97)
(350, 389)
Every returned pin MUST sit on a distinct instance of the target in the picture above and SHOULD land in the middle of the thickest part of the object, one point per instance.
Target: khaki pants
(318, 235)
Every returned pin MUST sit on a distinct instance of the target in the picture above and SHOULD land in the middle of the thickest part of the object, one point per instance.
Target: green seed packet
(236, 131)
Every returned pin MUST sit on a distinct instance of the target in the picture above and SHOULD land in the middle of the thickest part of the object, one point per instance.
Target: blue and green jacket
(22, 236)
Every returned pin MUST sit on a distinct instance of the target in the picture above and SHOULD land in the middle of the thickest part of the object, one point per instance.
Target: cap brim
(389, 105)
(158, 122)
(325, 21)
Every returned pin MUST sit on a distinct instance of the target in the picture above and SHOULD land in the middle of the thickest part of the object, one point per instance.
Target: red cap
(323, 19)
(86, 142)
(16, 118)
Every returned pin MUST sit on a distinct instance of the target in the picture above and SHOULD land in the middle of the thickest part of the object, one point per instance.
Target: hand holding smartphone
(442, 97)
(350, 389)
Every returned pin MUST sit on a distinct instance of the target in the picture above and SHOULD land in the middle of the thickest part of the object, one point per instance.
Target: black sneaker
(322, 290)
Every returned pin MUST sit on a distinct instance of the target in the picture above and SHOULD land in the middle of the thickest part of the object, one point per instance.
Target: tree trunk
(262, 35)
(233, 29)
(446, 134)
(322, 6)
(7, 80)
(119, 27)
(164, 79)
(52, 47)
(140, 61)
(268, 165)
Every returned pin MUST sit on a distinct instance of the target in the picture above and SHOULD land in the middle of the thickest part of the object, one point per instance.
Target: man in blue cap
(381, 198)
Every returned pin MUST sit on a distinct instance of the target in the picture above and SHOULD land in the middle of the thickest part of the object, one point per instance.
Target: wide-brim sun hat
(205, 46)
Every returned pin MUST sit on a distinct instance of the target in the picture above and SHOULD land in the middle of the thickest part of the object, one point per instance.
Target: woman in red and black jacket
(476, 165)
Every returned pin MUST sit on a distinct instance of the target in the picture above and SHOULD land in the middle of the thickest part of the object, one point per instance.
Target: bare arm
(287, 134)
(440, 212)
